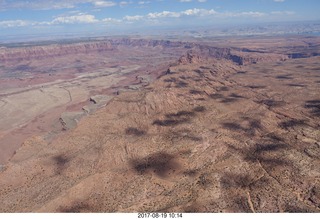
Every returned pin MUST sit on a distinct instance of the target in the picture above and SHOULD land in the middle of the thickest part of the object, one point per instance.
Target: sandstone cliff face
(47, 51)
(191, 57)
(241, 57)
(151, 43)
(194, 52)
(40, 52)
(245, 58)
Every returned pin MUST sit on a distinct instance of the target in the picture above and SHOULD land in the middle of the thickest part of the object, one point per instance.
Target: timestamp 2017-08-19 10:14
(160, 215)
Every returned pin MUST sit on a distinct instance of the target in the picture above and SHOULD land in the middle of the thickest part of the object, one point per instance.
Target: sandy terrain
(209, 135)
(23, 106)
(36, 89)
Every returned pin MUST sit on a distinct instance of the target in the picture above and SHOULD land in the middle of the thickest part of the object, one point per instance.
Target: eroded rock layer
(208, 136)
(242, 56)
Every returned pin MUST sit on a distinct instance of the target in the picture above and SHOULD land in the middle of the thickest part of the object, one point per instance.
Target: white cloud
(125, 3)
(14, 23)
(143, 2)
(133, 18)
(250, 14)
(201, 1)
(51, 4)
(104, 3)
(283, 12)
(189, 12)
(110, 20)
(40, 5)
(278, 0)
(198, 12)
(75, 19)
(163, 14)
(195, 12)
(245, 14)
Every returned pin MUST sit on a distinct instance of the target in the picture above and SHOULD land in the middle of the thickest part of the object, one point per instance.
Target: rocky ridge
(211, 134)
(241, 56)
(208, 136)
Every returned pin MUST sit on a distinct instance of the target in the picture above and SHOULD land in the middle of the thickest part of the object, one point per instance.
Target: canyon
(152, 125)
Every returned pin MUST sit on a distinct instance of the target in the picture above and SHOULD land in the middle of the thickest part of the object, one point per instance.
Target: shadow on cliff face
(259, 148)
(261, 152)
(313, 106)
(233, 95)
(226, 99)
(199, 109)
(61, 163)
(232, 180)
(162, 164)
(200, 73)
(296, 85)
(181, 114)
(77, 207)
(191, 172)
(223, 88)
(216, 96)
(170, 122)
(251, 129)
(182, 81)
(266, 151)
(284, 77)
(181, 84)
(180, 117)
(134, 131)
(292, 123)
(192, 91)
(172, 79)
(178, 83)
(271, 103)
(255, 86)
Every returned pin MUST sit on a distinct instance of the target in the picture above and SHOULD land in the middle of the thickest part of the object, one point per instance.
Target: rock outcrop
(206, 137)
(69, 120)
(50, 51)
(195, 53)
(242, 57)
(212, 134)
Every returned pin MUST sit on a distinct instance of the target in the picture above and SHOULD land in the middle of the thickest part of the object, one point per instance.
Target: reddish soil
(219, 131)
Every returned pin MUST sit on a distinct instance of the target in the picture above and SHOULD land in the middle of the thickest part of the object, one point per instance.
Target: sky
(23, 17)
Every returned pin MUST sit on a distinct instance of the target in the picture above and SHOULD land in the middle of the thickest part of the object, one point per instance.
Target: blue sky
(67, 16)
